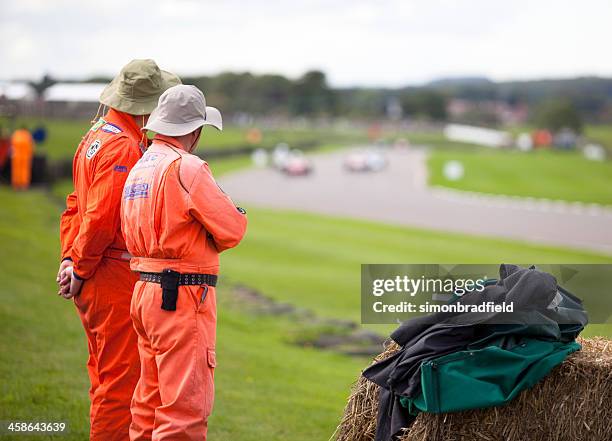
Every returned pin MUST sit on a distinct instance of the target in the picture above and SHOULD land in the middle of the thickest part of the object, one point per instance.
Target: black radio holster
(169, 284)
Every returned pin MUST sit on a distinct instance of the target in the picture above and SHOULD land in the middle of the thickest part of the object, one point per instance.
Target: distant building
(74, 92)
(66, 100)
(16, 91)
(16, 98)
(500, 111)
(73, 99)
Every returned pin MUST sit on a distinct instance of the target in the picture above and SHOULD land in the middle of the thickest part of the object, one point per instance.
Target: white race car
(365, 160)
(296, 164)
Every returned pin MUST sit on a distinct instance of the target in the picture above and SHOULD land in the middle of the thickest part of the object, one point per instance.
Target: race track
(399, 195)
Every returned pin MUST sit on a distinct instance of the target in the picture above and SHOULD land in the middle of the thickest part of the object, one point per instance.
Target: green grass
(541, 174)
(42, 349)
(270, 389)
(314, 261)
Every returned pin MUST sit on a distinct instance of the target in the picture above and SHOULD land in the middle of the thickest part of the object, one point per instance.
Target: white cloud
(392, 42)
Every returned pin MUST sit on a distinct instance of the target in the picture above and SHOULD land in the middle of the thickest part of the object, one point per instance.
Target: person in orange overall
(95, 263)
(176, 221)
(22, 151)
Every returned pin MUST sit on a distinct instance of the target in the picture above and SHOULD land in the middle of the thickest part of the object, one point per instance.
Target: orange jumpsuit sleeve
(100, 221)
(69, 225)
(210, 206)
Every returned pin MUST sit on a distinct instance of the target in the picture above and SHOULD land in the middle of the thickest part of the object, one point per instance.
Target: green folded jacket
(490, 376)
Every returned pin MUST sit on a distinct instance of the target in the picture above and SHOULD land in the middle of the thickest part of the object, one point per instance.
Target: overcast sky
(388, 43)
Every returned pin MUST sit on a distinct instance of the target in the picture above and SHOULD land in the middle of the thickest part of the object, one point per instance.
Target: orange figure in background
(254, 136)
(22, 151)
(542, 138)
(176, 221)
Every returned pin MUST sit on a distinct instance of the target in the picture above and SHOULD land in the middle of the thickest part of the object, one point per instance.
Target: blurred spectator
(542, 138)
(254, 136)
(5, 146)
(39, 134)
(565, 139)
(22, 151)
(524, 142)
(374, 132)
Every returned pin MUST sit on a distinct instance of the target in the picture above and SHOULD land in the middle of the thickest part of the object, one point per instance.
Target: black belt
(170, 281)
(184, 279)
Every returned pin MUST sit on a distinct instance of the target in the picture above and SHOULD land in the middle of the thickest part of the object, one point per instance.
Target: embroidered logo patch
(121, 168)
(98, 124)
(111, 128)
(93, 148)
(136, 191)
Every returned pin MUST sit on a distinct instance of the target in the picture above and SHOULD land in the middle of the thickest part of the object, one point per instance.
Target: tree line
(566, 101)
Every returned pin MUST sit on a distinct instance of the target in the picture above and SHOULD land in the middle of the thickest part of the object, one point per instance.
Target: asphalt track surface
(400, 195)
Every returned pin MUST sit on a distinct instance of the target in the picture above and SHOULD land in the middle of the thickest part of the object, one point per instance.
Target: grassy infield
(267, 388)
(544, 174)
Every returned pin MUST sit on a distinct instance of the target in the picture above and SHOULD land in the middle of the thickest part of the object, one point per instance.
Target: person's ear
(197, 135)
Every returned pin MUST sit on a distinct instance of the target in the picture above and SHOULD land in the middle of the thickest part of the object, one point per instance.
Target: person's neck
(185, 142)
(175, 141)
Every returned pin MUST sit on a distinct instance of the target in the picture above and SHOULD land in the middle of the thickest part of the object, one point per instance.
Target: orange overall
(174, 216)
(21, 159)
(90, 233)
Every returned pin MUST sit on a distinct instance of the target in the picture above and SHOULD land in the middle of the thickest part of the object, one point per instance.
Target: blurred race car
(296, 164)
(365, 160)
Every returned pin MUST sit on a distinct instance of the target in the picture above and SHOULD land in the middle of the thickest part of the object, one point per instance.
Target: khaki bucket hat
(181, 110)
(137, 87)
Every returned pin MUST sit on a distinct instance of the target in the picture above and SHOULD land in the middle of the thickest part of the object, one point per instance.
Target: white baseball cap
(181, 110)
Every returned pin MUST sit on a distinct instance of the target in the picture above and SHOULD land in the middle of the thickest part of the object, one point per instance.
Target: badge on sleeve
(111, 128)
(93, 148)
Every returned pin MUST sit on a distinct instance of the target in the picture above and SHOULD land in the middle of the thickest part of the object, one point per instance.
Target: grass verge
(541, 174)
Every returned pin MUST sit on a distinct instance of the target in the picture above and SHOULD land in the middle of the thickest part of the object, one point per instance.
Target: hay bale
(573, 403)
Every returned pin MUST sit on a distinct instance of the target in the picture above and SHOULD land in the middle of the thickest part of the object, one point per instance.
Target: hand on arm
(69, 225)
(70, 284)
(225, 222)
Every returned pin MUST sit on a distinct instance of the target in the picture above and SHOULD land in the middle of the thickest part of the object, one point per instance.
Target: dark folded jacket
(542, 310)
